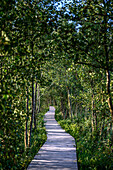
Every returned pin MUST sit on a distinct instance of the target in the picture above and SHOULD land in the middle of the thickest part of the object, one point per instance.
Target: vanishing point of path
(59, 151)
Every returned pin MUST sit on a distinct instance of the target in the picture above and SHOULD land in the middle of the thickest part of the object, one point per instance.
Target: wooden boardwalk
(59, 151)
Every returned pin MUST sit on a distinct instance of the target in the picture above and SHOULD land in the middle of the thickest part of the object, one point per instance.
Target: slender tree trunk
(38, 100)
(30, 131)
(69, 103)
(1, 72)
(109, 99)
(92, 113)
(32, 116)
(26, 123)
(109, 93)
(35, 103)
(66, 113)
(107, 70)
(33, 100)
(62, 106)
(96, 121)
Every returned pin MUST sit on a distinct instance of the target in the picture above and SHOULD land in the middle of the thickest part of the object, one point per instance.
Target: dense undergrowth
(93, 152)
(38, 139)
(20, 158)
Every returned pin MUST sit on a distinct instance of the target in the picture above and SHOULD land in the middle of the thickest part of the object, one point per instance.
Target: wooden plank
(59, 151)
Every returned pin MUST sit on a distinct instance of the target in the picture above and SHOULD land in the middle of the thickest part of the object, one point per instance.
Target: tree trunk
(109, 100)
(26, 123)
(62, 106)
(107, 70)
(96, 121)
(1, 73)
(69, 103)
(30, 131)
(38, 99)
(92, 108)
(32, 116)
(35, 103)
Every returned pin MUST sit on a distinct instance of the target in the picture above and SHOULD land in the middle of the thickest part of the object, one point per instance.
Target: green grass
(39, 137)
(14, 156)
(93, 153)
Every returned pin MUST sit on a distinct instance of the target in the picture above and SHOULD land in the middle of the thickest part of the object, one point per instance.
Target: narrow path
(59, 151)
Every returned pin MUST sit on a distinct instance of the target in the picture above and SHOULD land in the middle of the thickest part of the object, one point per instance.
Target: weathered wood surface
(59, 151)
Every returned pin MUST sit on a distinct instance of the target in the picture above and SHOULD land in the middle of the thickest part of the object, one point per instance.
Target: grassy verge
(93, 153)
(38, 139)
(13, 155)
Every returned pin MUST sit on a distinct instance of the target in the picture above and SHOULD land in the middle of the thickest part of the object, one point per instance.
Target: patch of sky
(65, 4)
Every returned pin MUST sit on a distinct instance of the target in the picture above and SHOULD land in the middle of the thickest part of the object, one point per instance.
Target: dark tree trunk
(32, 116)
(109, 100)
(62, 105)
(92, 113)
(38, 99)
(35, 103)
(26, 124)
(108, 71)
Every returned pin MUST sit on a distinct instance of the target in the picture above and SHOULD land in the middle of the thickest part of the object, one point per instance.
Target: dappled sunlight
(54, 130)
(59, 151)
(67, 148)
(51, 124)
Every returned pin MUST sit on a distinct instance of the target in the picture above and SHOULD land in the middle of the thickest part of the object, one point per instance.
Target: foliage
(38, 139)
(18, 157)
(93, 152)
(60, 57)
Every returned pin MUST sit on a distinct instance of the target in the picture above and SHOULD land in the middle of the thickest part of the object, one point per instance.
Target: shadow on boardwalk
(59, 151)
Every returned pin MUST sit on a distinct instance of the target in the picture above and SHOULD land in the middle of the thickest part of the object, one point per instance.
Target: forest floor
(59, 151)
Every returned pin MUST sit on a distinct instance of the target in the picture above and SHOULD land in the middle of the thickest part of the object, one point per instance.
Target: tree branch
(95, 66)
